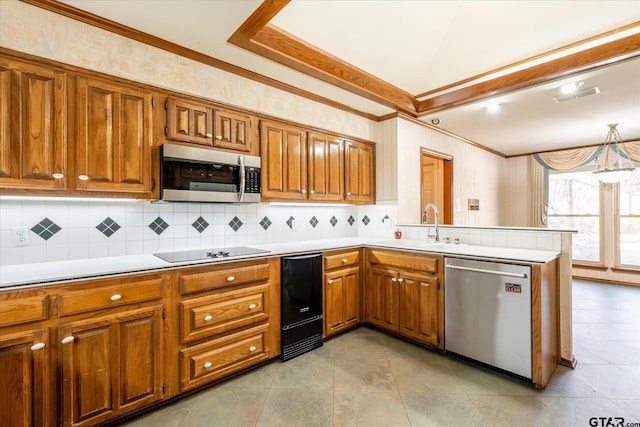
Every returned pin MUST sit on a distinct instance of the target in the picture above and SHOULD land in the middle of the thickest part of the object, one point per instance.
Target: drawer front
(224, 311)
(101, 297)
(427, 263)
(190, 283)
(344, 259)
(218, 358)
(23, 309)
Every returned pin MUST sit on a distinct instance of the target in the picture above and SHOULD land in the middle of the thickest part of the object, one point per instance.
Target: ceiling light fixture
(435, 121)
(609, 164)
(570, 87)
(493, 108)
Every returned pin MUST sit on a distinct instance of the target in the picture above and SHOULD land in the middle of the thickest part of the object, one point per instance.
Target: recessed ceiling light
(493, 108)
(570, 87)
(435, 121)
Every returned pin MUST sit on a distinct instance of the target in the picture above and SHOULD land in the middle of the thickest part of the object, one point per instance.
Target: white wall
(477, 174)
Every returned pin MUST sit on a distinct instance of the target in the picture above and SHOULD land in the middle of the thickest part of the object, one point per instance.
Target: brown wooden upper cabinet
(359, 172)
(32, 127)
(205, 124)
(113, 144)
(189, 121)
(326, 167)
(283, 150)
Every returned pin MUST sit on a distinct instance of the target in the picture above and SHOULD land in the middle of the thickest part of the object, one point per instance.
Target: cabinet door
(114, 138)
(25, 380)
(233, 131)
(189, 121)
(342, 300)
(382, 298)
(110, 365)
(420, 307)
(32, 124)
(284, 161)
(359, 172)
(326, 167)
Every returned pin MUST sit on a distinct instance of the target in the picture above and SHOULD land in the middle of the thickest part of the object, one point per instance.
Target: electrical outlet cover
(20, 235)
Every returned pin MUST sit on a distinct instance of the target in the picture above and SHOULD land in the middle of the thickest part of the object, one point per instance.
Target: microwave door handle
(242, 178)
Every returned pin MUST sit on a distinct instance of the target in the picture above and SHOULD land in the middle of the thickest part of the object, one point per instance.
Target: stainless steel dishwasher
(488, 313)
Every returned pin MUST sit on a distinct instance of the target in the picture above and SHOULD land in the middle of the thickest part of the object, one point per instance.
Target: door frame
(446, 215)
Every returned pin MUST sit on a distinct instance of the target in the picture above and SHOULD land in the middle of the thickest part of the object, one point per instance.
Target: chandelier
(609, 164)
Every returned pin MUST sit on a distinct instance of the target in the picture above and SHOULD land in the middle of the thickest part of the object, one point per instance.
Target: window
(574, 203)
(628, 222)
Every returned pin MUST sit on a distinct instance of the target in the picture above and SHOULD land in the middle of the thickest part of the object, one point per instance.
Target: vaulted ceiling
(436, 61)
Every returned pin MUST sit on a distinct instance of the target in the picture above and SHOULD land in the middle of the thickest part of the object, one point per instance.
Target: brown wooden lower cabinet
(404, 294)
(342, 290)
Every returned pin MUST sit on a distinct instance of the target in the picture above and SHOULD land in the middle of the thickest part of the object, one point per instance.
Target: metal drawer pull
(231, 279)
(67, 340)
(252, 348)
(208, 365)
(115, 297)
(37, 346)
(252, 306)
(208, 317)
(344, 260)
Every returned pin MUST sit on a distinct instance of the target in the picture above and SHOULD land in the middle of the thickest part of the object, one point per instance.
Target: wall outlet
(20, 236)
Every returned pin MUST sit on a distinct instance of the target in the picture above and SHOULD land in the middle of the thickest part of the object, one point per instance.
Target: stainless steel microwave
(193, 174)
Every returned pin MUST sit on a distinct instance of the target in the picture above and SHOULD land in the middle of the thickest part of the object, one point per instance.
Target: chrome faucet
(424, 218)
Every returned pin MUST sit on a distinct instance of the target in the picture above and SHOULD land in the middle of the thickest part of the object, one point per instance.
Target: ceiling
(431, 60)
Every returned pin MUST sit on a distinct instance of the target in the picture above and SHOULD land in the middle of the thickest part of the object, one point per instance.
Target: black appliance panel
(301, 288)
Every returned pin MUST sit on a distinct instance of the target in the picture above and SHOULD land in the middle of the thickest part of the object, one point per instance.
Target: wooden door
(326, 167)
(25, 380)
(189, 121)
(382, 298)
(359, 172)
(419, 307)
(111, 365)
(233, 131)
(435, 183)
(32, 127)
(342, 300)
(114, 138)
(284, 161)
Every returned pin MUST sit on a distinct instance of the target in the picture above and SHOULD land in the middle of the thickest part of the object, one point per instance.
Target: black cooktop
(216, 253)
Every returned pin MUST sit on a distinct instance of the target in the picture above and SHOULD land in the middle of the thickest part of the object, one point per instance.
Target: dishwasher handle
(484, 270)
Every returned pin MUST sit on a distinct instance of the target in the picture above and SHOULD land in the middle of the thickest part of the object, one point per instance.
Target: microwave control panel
(252, 183)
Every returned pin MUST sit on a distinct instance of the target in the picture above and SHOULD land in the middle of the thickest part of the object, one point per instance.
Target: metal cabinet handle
(83, 177)
(67, 340)
(231, 279)
(252, 306)
(37, 346)
(115, 297)
(208, 365)
(208, 317)
(252, 348)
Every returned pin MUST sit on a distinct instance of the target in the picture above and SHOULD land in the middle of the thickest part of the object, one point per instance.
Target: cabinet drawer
(224, 311)
(217, 358)
(427, 263)
(190, 283)
(101, 297)
(22, 309)
(344, 259)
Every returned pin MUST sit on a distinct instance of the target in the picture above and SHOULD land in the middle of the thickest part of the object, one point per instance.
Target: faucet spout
(435, 212)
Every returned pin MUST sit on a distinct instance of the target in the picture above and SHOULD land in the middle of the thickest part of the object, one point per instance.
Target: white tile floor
(367, 378)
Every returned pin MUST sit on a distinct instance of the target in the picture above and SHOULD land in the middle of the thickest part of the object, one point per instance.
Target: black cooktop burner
(198, 254)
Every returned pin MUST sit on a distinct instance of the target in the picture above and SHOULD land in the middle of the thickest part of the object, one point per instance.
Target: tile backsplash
(68, 230)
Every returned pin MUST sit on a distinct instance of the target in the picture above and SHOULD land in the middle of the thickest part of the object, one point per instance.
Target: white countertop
(52, 272)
